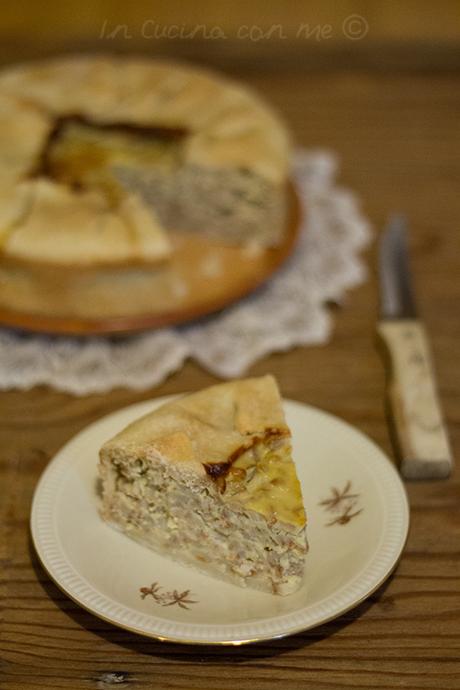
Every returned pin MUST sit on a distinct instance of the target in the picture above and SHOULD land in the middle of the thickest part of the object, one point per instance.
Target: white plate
(355, 540)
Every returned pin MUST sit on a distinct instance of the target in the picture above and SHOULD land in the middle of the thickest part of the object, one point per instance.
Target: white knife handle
(415, 408)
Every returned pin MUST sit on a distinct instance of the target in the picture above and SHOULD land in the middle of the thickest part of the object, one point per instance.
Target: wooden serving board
(202, 277)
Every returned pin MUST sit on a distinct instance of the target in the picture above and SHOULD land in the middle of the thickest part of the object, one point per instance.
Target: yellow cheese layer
(268, 484)
(84, 154)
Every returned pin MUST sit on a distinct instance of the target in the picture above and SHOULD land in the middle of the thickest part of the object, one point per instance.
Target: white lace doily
(325, 264)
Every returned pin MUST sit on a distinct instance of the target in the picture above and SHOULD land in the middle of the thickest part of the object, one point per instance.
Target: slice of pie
(208, 479)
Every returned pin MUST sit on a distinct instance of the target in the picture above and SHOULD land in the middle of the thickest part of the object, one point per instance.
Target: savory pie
(208, 479)
(101, 156)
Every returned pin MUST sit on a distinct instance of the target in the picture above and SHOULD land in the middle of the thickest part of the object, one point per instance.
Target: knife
(419, 434)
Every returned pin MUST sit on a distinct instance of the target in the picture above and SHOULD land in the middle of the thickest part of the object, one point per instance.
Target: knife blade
(418, 431)
(397, 294)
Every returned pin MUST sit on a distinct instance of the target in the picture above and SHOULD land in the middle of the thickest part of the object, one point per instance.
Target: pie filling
(221, 534)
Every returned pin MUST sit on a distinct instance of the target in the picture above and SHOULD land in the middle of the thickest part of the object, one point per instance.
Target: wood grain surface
(398, 137)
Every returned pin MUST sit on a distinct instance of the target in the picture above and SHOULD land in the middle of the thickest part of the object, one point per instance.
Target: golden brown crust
(52, 216)
(211, 420)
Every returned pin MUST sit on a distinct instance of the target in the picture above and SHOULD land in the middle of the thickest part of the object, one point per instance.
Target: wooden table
(398, 137)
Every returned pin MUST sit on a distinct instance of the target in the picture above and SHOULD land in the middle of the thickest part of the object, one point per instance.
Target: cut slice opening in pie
(208, 479)
(192, 151)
